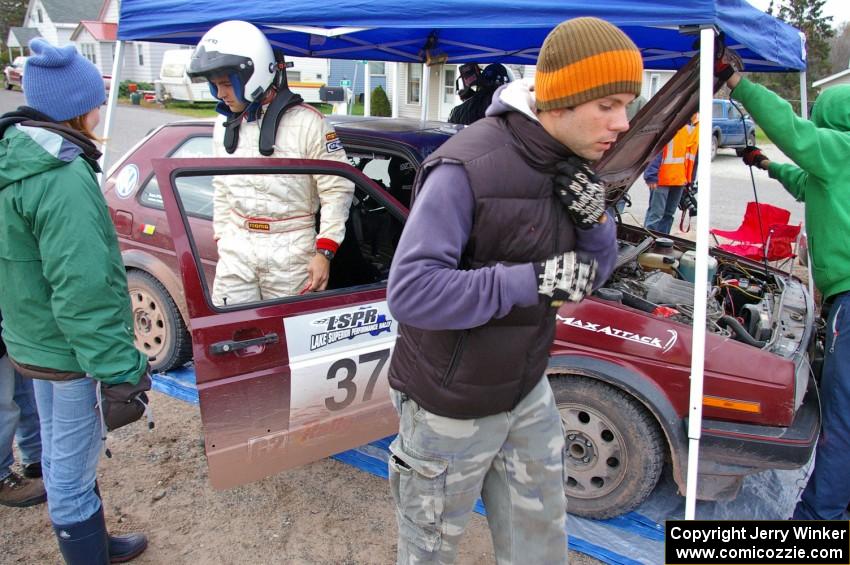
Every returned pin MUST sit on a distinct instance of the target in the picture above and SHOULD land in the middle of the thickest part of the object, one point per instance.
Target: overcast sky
(838, 9)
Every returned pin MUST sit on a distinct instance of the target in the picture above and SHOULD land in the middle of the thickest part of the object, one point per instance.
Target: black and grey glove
(124, 403)
(580, 191)
(566, 277)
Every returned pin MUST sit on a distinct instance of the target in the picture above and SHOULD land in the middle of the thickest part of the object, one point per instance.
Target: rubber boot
(123, 548)
(84, 543)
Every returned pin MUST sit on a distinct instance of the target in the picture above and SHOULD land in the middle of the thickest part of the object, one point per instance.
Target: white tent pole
(396, 89)
(706, 83)
(423, 86)
(367, 90)
(112, 102)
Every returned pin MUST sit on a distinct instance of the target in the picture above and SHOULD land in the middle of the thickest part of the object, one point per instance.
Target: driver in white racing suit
(265, 225)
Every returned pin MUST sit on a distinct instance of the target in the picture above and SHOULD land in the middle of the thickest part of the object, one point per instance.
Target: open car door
(287, 381)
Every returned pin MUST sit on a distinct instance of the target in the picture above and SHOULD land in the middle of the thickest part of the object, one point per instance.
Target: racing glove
(753, 156)
(124, 403)
(579, 190)
(565, 277)
(723, 70)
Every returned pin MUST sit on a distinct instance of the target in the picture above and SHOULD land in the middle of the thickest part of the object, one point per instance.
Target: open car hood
(650, 130)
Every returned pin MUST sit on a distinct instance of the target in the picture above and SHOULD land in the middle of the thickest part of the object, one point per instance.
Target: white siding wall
(105, 54)
(310, 69)
(112, 12)
(63, 34)
(406, 110)
(46, 28)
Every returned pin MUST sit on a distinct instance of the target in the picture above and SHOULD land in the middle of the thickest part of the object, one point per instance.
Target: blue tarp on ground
(631, 539)
(485, 31)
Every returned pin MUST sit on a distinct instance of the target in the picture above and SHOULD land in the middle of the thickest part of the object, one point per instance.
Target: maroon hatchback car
(287, 381)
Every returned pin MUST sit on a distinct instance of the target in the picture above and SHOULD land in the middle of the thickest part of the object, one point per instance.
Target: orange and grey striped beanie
(584, 59)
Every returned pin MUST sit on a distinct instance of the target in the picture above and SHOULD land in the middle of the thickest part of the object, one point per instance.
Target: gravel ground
(323, 513)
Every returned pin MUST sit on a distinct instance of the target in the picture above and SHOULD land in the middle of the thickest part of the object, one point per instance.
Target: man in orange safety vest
(668, 174)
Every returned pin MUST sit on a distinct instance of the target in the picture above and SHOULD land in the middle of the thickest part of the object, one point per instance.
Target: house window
(654, 80)
(89, 51)
(377, 69)
(141, 56)
(414, 82)
(40, 16)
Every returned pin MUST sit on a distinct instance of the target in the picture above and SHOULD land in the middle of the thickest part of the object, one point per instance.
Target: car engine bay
(763, 309)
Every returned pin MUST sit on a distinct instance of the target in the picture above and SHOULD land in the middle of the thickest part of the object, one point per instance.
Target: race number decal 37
(339, 360)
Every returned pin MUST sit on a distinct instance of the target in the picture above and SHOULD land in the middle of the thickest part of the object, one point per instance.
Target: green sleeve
(792, 178)
(821, 152)
(82, 265)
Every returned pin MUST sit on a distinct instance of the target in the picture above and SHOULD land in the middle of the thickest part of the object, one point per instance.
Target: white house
(19, 38)
(56, 20)
(95, 38)
(838, 78)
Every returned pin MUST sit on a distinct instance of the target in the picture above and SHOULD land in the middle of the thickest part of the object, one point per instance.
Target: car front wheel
(614, 448)
(159, 328)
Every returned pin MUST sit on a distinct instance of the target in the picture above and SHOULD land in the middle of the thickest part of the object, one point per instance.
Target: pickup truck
(729, 128)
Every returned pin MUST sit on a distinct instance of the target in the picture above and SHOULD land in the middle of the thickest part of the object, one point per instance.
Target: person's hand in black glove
(565, 277)
(580, 192)
(753, 157)
(124, 403)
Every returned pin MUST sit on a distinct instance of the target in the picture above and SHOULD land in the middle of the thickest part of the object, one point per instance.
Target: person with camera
(508, 223)
(668, 175)
(819, 177)
(474, 105)
(67, 321)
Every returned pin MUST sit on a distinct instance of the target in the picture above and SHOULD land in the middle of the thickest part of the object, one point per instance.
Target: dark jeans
(663, 202)
(828, 491)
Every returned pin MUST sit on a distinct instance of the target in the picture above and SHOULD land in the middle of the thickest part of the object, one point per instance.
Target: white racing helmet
(241, 52)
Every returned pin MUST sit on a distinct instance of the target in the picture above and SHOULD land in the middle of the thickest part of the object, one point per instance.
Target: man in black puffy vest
(508, 222)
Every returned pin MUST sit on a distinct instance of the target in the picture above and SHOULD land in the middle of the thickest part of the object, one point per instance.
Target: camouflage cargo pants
(439, 466)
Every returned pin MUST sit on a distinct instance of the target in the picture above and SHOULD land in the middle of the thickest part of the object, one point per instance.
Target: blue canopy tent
(506, 31)
(476, 30)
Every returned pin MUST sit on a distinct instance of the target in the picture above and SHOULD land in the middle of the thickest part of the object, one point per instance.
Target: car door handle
(227, 346)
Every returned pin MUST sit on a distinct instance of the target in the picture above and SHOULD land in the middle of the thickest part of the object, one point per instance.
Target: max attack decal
(622, 334)
(348, 326)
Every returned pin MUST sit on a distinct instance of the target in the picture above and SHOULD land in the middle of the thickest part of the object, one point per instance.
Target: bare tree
(839, 52)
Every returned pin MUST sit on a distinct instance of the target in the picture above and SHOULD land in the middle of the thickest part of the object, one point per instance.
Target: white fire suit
(265, 224)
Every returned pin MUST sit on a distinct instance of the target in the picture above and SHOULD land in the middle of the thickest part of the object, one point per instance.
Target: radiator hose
(741, 334)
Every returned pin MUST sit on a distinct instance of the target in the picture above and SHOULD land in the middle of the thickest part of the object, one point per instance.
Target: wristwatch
(329, 255)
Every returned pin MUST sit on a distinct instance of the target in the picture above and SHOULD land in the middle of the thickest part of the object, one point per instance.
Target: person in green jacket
(820, 178)
(67, 320)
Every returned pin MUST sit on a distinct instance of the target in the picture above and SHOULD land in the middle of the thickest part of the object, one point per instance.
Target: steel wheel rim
(151, 334)
(596, 452)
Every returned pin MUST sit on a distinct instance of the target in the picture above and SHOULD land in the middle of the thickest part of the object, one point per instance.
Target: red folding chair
(781, 244)
(751, 229)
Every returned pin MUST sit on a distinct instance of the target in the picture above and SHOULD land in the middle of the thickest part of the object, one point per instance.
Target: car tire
(158, 326)
(715, 143)
(614, 448)
(8, 85)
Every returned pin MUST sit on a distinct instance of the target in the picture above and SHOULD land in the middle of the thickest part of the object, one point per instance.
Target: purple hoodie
(426, 288)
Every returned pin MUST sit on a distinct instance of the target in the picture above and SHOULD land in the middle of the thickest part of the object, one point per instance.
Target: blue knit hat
(61, 83)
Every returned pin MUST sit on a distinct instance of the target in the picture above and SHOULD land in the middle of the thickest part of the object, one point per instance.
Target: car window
(717, 111)
(197, 191)
(285, 238)
(734, 113)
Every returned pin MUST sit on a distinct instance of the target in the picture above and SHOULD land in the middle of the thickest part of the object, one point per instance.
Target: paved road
(732, 187)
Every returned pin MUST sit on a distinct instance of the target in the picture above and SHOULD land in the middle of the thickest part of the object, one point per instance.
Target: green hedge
(124, 87)
(380, 103)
